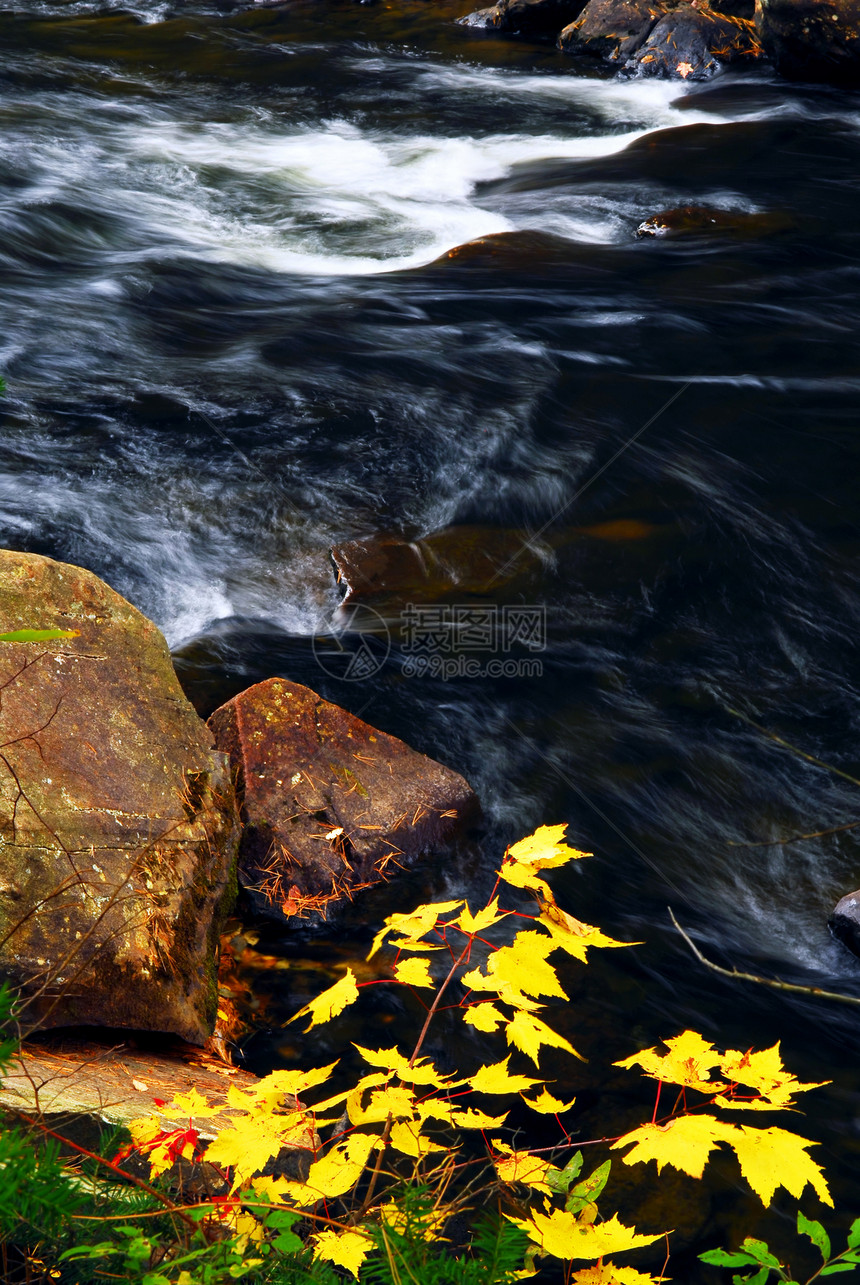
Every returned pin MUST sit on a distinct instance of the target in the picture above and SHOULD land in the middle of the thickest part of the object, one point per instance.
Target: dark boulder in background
(812, 39)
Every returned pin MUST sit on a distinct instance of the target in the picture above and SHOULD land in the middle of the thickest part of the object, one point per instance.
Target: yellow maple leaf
(344, 1248)
(528, 1033)
(771, 1158)
(331, 1002)
(394, 1100)
(472, 1119)
(546, 1104)
(544, 849)
(685, 1142)
(248, 1146)
(483, 919)
(423, 1072)
(519, 971)
(270, 1092)
(572, 935)
(193, 1103)
(688, 1062)
(484, 1017)
(406, 1136)
(610, 1274)
(339, 1169)
(522, 876)
(522, 1167)
(564, 1236)
(764, 1072)
(414, 972)
(495, 1079)
(414, 925)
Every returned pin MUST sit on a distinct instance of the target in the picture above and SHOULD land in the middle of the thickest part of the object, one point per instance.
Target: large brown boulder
(812, 39)
(329, 803)
(118, 829)
(612, 29)
(693, 41)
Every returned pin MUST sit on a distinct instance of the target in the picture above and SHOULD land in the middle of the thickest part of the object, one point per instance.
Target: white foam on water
(339, 199)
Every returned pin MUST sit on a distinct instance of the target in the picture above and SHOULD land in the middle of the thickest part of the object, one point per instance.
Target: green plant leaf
(833, 1268)
(288, 1243)
(37, 635)
(760, 1251)
(585, 1193)
(816, 1233)
(854, 1234)
(724, 1258)
(560, 1182)
(759, 1278)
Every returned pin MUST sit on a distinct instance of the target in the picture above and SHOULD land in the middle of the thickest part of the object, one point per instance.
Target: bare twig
(794, 838)
(762, 981)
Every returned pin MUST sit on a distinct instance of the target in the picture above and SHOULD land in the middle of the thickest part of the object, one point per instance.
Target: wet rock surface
(697, 220)
(812, 39)
(461, 560)
(118, 829)
(612, 29)
(693, 41)
(844, 923)
(329, 803)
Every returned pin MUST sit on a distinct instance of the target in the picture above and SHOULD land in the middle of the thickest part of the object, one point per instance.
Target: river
(231, 338)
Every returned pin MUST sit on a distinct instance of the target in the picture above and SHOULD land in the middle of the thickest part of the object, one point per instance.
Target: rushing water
(228, 345)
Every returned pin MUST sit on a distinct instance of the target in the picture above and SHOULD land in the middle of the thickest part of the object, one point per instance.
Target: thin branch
(787, 745)
(762, 981)
(795, 838)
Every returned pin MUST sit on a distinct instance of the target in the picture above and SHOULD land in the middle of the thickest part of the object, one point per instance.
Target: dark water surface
(228, 345)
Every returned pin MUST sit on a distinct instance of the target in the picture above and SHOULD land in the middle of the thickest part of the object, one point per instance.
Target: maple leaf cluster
(404, 1118)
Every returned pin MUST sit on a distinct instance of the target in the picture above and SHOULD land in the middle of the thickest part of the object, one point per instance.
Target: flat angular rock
(693, 42)
(76, 1085)
(612, 29)
(530, 19)
(118, 827)
(812, 39)
(329, 803)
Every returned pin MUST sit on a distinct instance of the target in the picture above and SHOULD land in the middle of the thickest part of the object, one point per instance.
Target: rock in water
(118, 828)
(611, 29)
(531, 19)
(844, 923)
(329, 803)
(693, 41)
(701, 220)
(456, 561)
(812, 39)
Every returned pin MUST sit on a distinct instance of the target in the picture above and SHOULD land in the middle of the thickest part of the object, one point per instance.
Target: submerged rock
(612, 29)
(697, 220)
(812, 39)
(844, 923)
(118, 829)
(531, 19)
(693, 41)
(459, 560)
(329, 804)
